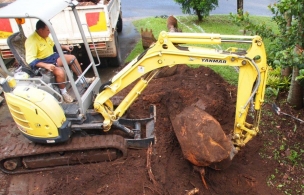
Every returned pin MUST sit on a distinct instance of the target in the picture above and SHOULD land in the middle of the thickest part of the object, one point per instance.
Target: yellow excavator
(94, 125)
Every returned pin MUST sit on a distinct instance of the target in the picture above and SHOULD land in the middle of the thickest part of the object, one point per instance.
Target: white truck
(102, 22)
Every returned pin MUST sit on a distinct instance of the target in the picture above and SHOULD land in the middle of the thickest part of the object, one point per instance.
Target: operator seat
(16, 43)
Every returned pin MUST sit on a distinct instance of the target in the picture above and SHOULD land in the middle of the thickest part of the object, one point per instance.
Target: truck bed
(100, 19)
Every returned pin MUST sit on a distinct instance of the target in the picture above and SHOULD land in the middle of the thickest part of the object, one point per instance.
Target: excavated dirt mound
(162, 169)
(165, 170)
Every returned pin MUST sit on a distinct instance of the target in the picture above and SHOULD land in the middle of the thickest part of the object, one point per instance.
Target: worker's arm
(37, 49)
(67, 48)
(33, 60)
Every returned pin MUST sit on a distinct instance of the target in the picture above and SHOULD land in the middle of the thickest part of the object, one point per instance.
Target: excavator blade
(202, 139)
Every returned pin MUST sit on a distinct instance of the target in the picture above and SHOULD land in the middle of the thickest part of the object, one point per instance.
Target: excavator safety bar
(168, 52)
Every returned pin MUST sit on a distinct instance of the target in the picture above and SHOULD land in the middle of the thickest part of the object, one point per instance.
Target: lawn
(219, 24)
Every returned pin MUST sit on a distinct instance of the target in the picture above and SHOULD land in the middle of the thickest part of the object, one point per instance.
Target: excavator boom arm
(170, 50)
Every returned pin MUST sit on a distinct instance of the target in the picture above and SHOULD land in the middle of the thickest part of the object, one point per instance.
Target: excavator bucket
(202, 139)
(147, 38)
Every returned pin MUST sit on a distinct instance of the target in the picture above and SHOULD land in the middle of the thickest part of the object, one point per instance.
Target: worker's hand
(50, 67)
(71, 47)
(68, 48)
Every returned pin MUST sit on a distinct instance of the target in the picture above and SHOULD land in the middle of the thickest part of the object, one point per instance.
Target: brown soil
(170, 173)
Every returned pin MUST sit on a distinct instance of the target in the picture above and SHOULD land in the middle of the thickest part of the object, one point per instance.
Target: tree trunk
(199, 15)
(295, 95)
(286, 72)
(240, 6)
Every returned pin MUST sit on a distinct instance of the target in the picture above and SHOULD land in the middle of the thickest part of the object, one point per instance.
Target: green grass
(219, 24)
(157, 24)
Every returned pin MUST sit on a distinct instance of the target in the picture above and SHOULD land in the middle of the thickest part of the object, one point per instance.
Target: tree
(289, 15)
(286, 47)
(201, 8)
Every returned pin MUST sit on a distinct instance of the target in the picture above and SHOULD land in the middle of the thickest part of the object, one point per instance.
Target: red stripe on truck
(5, 25)
(92, 18)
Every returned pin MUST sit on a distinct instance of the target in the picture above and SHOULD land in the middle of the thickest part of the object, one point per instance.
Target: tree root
(201, 170)
(150, 173)
(193, 191)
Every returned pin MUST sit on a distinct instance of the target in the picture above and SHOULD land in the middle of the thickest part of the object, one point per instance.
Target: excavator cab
(41, 115)
(28, 13)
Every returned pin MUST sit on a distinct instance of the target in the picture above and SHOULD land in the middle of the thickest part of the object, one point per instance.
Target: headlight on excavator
(11, 81)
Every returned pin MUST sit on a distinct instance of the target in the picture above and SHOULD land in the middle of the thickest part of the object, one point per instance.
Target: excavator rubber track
(12, 155)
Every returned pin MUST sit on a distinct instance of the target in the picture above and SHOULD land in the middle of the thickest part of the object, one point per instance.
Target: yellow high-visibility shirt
(37, 47)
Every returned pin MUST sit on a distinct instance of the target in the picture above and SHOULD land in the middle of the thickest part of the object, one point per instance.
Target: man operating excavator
(40, 54)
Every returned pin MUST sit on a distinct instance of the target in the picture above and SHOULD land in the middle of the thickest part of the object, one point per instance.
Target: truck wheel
(119, 24)
(115, 61)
